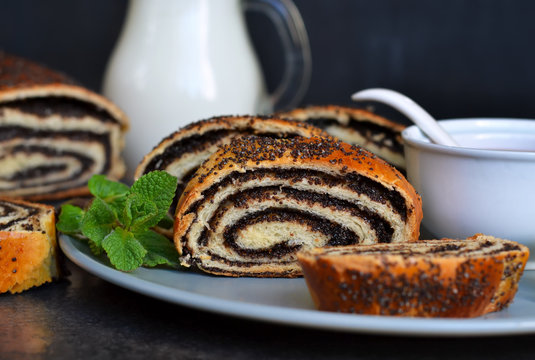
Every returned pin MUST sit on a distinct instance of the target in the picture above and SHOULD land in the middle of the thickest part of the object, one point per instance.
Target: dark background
(457, 57)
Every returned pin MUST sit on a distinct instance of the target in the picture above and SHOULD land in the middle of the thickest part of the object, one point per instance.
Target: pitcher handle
(298, 61)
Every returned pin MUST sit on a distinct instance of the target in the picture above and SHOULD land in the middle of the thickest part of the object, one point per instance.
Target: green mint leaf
(104, 188)
(70, 219)
(160, 250)
(144, 213)
(125, 213)
(124, 251)
(112, 192)
(158, 187)
(98, 222)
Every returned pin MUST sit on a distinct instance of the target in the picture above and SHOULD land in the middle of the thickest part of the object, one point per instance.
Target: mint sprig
(119, 220)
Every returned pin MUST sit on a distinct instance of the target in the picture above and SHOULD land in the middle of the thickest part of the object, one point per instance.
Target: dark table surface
(84, 317)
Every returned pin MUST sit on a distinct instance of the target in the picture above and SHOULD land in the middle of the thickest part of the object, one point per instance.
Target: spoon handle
(412, 110)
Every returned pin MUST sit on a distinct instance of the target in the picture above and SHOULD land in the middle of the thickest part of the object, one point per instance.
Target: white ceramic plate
(287, 301)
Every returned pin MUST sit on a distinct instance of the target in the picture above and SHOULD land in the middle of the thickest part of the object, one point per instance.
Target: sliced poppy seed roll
(258, 201)
(182, 152)
(356, 126)
(428, 278)
(54, 134)
(27, 245)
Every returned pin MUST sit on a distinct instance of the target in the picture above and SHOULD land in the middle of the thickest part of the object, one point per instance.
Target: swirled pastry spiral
(258, 201)
(428, 278)
(27, 245)
(356, 126)
(182, 152)
(54, 134)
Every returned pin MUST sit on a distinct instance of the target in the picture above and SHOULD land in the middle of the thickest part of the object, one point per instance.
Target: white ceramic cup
(484, 186)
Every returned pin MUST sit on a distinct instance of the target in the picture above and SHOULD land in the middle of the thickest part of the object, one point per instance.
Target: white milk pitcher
(180, 61)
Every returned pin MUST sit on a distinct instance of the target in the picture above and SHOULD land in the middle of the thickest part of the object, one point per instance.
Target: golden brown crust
(384, 282)
(28, 257)
(22, 79)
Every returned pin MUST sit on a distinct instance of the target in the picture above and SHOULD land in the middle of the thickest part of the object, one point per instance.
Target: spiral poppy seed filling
(337, 235)
(66, 166)
(15, 216)
(193, 143)
(59, 105)
(42, 170)
(357, 183)
(379, 135)
(334, 234)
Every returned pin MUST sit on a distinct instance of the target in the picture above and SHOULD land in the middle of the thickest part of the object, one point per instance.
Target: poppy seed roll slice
(257, 201)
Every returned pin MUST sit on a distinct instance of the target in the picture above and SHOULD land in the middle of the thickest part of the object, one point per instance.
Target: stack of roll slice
(182, 152)
(257, 201)
(54, 133)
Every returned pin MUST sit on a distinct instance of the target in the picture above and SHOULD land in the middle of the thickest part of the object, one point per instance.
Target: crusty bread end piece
(27, 245)
(429, 278)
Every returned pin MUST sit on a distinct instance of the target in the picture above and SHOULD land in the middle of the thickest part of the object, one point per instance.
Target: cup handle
(298, 60)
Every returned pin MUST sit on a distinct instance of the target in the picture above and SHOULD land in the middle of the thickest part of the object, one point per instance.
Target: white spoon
(409, 108)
